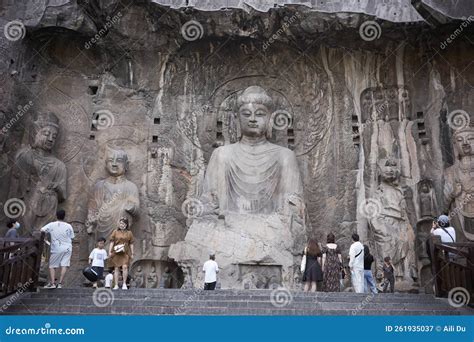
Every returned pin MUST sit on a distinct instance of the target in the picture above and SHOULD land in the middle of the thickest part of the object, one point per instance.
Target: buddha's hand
(457, 191)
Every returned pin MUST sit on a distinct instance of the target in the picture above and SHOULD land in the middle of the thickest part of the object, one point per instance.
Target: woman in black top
(369, 278)
(312, 273)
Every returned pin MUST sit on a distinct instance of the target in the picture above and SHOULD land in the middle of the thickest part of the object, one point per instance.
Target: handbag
(90, 273)
(303, 262)
(118, 249)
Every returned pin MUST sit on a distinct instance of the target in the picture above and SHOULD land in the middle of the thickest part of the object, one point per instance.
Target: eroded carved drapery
(39, 178)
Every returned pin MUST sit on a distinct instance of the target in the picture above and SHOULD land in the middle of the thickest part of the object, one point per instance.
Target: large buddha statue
(459, 184)
(39, 178)
(113, 197)
(253, 211)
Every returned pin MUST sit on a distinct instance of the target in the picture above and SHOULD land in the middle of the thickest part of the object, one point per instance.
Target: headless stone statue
(255, 188)
(392, 233)
(39, 178)
(113, 198)
(459, 184)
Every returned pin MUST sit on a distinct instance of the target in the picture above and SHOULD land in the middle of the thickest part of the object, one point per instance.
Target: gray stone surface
(159, 80)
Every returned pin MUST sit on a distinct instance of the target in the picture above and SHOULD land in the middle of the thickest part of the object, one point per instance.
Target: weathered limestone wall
(166, 99)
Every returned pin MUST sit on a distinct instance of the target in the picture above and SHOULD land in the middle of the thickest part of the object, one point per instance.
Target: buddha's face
(464, 143)
(253, 119)
(389, 171)
(46, 138)
(116, 164)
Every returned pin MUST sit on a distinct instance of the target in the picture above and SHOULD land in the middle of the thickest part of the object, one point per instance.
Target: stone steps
(80, 301)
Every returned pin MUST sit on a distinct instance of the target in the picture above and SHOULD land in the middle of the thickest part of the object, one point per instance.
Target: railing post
(435, 264)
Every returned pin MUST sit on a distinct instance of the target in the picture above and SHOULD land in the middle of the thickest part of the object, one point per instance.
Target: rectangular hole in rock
(92, 90)
(92, 137)
(421, 126)
(355, 129)
(291, 132)
(419, 115)
(355, 118)
(156, 121)
(154, 138)
(219, 125)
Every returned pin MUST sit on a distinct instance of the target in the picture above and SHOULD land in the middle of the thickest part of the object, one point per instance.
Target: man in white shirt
(356, 264)
(210, 270)
(62, 234)
(444, 231)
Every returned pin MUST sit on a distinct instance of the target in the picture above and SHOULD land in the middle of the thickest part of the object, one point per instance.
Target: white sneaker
(59, 286)
(115, 287)
(124, 287)
(50, 286)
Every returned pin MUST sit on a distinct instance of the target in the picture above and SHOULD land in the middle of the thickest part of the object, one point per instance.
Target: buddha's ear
(269, 132)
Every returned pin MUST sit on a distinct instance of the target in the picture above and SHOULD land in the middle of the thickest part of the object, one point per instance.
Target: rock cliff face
(365, 86)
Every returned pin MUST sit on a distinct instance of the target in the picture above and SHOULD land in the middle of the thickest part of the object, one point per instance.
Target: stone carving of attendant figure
(427, 204)
(112, 198)
(138, 278)
(252, 176)
(152, 279)
(391, 230)
(39, 178)
(459, 183)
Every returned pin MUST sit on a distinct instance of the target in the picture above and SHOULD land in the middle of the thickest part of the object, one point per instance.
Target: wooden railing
(452, 266)
(20, 261)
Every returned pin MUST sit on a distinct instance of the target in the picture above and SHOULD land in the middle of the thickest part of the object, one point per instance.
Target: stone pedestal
(252, 251)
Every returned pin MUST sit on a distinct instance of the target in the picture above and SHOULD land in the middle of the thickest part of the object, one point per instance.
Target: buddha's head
(463, 140)
(254, 111)
(116, 162)
(46, 129)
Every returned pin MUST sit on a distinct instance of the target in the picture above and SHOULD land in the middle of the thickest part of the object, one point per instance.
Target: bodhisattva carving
(254, 188)
(39, 178)
(392, 233)
(459, 183)
(112, 198)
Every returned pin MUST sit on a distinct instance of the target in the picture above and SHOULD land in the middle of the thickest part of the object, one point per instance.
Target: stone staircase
(87, 301)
